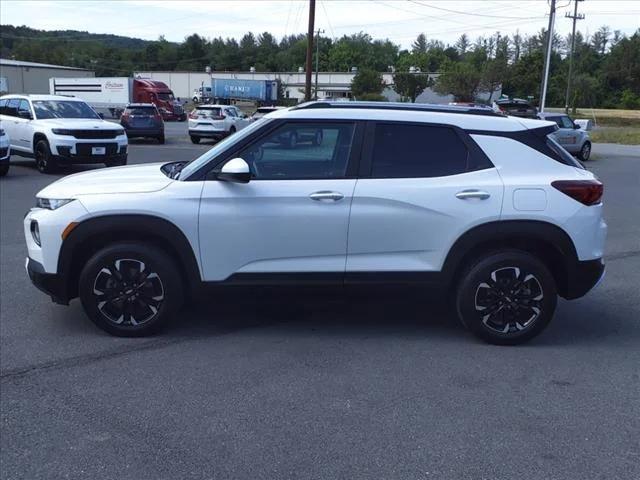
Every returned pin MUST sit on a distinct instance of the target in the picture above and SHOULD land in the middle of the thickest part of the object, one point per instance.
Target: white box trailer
(101, 92)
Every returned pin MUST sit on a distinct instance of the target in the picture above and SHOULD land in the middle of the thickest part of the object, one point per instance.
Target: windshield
(63, 109)
(218, 148)
(167, 97)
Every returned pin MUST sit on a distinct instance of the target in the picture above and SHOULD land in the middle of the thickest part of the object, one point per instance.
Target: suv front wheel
(506, 298)
(130, 289)
(45, 163)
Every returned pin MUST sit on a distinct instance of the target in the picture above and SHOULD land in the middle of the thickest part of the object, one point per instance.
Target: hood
(131, 179)
(79, 123)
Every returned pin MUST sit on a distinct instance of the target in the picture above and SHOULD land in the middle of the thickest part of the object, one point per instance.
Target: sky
(398, 20)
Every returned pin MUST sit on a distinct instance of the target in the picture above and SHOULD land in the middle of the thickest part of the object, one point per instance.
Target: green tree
(460, 79)
(410, 85)
(367, 82)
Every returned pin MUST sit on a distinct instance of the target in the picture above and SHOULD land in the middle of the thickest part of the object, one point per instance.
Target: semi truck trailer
(234, 89)
(115, 93)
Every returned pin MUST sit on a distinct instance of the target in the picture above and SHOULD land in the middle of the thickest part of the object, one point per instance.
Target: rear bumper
(50, 283)
(208, 134)
(144, 132)
(583, 277)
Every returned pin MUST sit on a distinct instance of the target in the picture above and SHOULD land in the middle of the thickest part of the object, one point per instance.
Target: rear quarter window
(414, 151)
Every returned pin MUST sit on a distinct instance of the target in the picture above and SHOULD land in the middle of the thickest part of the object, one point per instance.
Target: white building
(330, 84)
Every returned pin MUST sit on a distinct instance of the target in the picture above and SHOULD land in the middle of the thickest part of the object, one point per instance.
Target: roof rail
(420, 107)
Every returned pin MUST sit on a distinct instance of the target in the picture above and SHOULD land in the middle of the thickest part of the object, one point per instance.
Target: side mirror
(24, 114)
(235, 170)
(576, 126)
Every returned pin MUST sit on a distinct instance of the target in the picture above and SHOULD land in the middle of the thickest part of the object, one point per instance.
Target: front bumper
(583, 277)
(50, 283)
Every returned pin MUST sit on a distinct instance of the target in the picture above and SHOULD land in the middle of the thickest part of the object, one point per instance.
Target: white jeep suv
(215, 122)
(486, 206)
(57, 130)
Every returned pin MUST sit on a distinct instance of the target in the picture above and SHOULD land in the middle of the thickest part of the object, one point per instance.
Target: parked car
(58, 130)
(143, 120)
(488, 208)
(215, 121)
(574, 139)
(262, 111)
(517, 107)
(5, 152)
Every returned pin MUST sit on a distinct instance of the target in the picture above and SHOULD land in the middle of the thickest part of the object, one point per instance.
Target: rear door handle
(325, 195)
(469, 194)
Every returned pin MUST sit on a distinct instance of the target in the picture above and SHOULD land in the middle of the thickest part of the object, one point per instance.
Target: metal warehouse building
(29, 77)
(330, 84)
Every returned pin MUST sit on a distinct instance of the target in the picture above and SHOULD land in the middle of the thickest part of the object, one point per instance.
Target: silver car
(569, 134)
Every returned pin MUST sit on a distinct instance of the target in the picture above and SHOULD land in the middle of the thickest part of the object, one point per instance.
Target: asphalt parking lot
(320, 384)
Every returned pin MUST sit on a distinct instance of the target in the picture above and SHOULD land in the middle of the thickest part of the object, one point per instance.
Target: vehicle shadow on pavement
(323, 311)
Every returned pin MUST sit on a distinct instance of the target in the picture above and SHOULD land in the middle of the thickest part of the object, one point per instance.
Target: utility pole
(575, 17)
(318, 32)
(547, 60)
(312, 14)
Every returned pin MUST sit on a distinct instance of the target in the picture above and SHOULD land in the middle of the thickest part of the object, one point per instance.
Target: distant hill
(9, 34)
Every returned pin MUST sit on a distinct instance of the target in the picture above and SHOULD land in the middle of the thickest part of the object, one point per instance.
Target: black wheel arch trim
(532, 232)
(107, 229)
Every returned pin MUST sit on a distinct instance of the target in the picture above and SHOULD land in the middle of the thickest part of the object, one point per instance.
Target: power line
(468, 13)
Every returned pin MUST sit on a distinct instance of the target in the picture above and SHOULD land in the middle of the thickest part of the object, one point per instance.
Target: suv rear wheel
(130, 289)
(506, 298)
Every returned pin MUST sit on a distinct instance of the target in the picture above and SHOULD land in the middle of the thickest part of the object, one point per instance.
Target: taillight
(158, 117)
(193, 115)
(587, 192)
(125, 117)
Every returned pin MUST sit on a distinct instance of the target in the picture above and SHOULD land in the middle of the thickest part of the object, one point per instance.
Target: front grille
(91, 134)
(3, 152)
(84, 149)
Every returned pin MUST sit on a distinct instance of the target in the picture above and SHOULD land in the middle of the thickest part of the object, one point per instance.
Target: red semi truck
(114, 93)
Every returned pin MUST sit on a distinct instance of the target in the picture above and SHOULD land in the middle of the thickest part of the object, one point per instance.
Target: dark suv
(143, 120)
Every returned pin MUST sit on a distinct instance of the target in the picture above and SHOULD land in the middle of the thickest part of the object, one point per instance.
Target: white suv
(57, 130)
(485, 206)
(215, 121)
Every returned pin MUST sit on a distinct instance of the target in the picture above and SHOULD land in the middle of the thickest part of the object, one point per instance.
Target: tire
(195, 139)
(518, 316)
(121, 162)
(45, 162)
(161, 139)
(585, 152)
(4, 169)
(144, 286)
(232, 130)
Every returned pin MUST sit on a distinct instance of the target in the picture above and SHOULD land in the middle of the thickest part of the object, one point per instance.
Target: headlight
(52, 203)
(61, 131)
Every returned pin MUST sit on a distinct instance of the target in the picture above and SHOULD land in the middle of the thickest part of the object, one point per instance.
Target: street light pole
(547, 62)
(317, 60)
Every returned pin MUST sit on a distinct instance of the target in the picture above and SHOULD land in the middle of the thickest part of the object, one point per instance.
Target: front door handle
(326, 195)
(468, 194)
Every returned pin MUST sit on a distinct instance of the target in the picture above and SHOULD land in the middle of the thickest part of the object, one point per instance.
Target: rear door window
(12, 107)
(414, 151)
